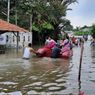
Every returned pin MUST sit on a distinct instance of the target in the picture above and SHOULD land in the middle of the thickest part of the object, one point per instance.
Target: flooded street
(46, 76)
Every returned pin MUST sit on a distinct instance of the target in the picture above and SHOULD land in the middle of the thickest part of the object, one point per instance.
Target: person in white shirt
(27, 51)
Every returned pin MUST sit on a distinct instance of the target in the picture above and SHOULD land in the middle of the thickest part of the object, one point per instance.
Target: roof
(8, 27)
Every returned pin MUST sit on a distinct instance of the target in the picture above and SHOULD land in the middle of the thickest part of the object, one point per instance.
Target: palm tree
(41, 11)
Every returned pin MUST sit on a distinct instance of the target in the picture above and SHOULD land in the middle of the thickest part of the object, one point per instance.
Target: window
(28, 38)
(23, 38)
(19, 38)
(13, 39)
(7, 38)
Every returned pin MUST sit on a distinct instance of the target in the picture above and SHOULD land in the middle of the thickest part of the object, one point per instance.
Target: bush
(93, 31)
(81, 33)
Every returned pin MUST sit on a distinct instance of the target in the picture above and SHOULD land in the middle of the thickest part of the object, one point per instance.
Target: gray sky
(83, 13)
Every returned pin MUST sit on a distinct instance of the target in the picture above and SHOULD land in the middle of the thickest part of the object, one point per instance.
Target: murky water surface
(46, 76)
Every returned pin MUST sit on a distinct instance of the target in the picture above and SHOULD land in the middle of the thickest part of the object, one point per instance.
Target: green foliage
(47, 25)
(35, 27)
(60, 36)
(42, 26)
(80, 33)
(46, 14)
(50, 11)
(93, 31)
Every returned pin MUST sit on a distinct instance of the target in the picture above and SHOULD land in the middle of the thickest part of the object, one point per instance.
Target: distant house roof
(8, 27)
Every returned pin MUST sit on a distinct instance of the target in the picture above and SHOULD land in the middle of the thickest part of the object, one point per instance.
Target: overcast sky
(83, 13)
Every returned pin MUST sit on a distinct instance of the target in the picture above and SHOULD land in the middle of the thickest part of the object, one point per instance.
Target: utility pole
(31, 16)
(8, 11)
(17, 32)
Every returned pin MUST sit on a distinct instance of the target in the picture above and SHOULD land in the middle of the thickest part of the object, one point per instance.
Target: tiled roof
(8, 27)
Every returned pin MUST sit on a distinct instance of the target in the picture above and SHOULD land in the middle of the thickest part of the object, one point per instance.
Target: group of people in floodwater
(53, 49)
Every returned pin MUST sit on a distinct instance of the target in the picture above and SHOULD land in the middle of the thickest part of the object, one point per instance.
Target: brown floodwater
(46, 76)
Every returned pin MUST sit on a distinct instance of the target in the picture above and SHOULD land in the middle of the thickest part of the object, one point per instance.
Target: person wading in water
(27, 51)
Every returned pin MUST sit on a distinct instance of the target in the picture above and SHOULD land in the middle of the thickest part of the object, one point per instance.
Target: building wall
(2, 39)
(11, 39)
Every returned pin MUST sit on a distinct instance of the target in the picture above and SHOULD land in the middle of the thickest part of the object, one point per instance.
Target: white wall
(10, 39)
(2, 39)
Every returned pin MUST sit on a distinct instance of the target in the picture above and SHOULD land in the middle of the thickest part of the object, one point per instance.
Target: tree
(93, 31)
(43, 12)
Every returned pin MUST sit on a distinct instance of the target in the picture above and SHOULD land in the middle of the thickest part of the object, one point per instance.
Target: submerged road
(48, 76)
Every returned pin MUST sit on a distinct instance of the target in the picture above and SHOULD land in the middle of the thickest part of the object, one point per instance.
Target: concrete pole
(8, 11)
(31, 27)
(17, 32)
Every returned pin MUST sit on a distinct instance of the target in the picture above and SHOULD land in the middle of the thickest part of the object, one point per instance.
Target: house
(13, 36)
(10, 39)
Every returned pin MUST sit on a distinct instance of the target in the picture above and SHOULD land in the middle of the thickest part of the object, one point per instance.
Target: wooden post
(80, 64)
(17, 42)
(81, 55)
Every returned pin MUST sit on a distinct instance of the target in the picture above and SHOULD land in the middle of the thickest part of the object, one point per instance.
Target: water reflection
(48, 76)
(88, 70)
(93, 53)
(37, 74)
